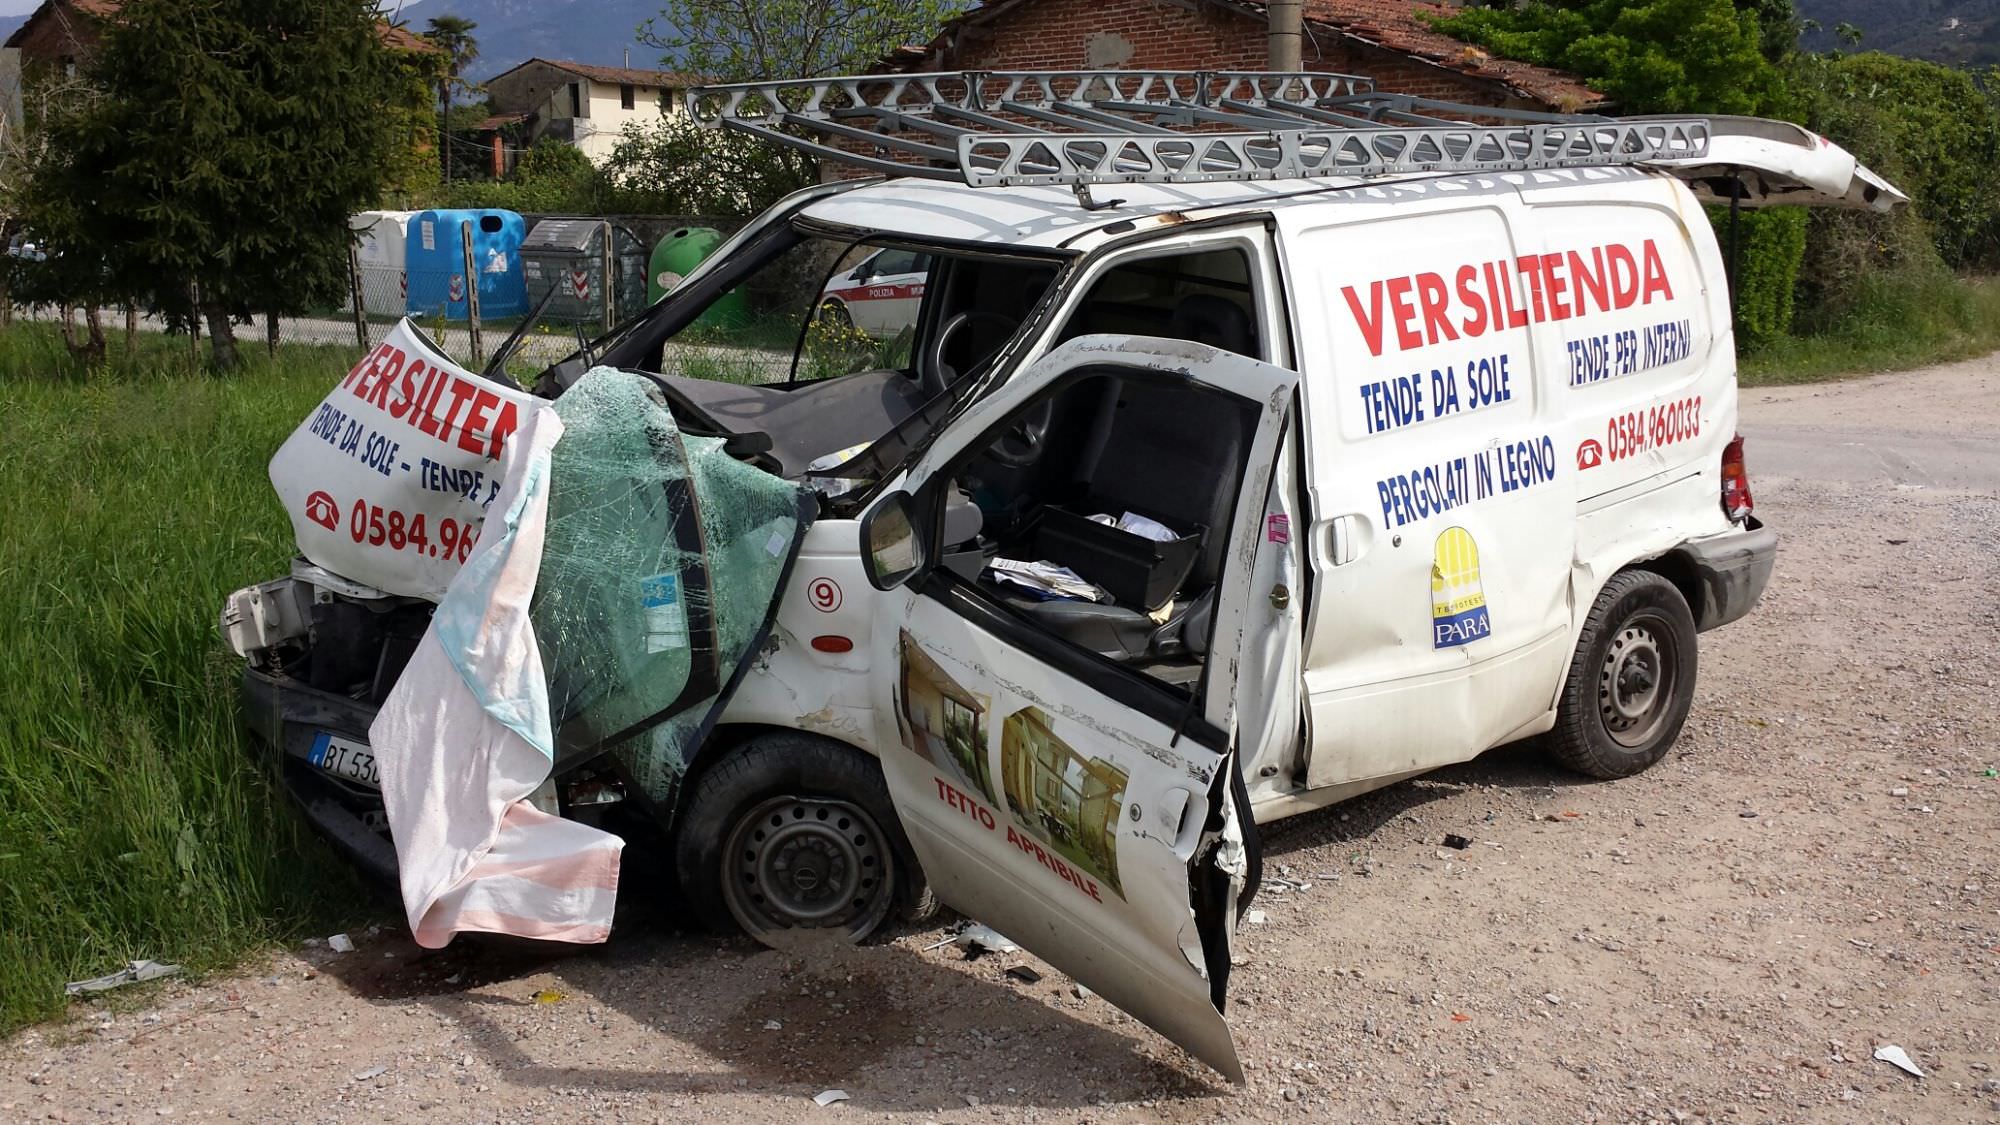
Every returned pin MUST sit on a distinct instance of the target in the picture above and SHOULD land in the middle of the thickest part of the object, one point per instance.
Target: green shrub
(1930, 130)
(1773, 243)
(1647, 56)
(553, 176)
(1890, 322)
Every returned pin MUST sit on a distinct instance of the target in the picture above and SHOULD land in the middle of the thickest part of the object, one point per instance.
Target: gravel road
(1814, 872)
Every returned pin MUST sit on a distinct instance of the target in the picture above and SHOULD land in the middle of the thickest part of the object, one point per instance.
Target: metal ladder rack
(1078, 128)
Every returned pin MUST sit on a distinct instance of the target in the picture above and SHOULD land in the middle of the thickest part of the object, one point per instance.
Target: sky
(18, 7)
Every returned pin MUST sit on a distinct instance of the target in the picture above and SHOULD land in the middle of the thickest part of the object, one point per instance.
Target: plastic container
(435, 258)
(1137, 572)
(568, 256)
(385, 282)
(675, 257)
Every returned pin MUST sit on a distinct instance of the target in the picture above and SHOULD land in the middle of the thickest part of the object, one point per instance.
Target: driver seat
(1170, 454)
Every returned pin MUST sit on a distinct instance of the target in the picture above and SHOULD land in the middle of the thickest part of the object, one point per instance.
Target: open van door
(1777, 162)
(1091, 813)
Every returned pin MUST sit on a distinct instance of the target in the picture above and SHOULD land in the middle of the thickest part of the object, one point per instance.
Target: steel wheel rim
(1636, 682)
(801, 863)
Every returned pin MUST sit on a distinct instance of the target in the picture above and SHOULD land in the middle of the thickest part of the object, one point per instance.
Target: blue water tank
(435, 261)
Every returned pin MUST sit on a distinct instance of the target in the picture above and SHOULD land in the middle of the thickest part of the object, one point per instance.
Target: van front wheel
(791, 832)
(1631, 681)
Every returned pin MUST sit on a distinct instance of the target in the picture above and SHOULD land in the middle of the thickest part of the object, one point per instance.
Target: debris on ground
(1454, 840)
(340, 943)
(978, 940)
(1256, 917)
(132, 973)
(828, 1097)
(371, 1072)
(549, 996)
(1897, 1057)
(1023, 974)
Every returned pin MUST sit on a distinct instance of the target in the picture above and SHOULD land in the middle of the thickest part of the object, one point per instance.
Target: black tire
(774, 829)
(1631, 681)
(834, 314)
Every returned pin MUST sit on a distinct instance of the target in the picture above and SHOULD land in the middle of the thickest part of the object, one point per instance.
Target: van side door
(1442, 506)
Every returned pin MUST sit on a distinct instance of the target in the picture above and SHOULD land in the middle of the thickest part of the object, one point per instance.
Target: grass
(1896, 324)
(133, 821)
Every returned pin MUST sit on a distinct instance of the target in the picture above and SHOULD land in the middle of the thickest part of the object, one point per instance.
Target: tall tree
(747, 40)
(453, 35)
(212, 174)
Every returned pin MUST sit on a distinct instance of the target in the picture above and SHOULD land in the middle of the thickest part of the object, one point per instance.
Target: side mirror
(893, 549)
(862, 272)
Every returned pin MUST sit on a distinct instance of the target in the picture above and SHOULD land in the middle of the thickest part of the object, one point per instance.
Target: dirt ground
(1814, 872)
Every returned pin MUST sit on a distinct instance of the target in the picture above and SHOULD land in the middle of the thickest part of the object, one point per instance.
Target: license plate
(344, 758)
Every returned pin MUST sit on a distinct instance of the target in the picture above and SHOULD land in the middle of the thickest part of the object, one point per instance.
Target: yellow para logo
(1458, 601)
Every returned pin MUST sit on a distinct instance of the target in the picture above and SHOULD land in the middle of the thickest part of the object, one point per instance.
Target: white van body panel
(1463, 355)
(794, 684)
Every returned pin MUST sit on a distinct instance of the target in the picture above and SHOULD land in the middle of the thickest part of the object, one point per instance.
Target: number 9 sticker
(825, 594)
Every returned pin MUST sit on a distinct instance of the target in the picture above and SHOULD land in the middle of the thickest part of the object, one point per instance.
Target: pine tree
(212, 173)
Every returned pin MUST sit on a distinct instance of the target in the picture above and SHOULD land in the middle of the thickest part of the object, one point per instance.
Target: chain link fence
(586, 275)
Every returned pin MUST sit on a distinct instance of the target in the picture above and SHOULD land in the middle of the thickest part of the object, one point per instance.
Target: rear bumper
(1733, 569)
(285, 715)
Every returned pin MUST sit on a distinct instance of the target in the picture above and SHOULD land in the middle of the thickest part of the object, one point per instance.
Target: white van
(1228, 474)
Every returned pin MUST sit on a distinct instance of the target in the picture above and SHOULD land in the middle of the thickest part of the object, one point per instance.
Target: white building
(588, 106)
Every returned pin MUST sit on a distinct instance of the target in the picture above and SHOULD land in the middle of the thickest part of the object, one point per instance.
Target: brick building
(1386, 40)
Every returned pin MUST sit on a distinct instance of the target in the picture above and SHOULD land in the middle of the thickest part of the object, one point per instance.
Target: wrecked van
(1253, 441)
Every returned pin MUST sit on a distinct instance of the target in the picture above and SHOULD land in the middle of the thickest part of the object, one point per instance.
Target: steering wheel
(936, 374)
(1020, 443)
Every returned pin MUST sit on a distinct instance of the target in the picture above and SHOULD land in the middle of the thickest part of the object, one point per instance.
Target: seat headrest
(1216, 321)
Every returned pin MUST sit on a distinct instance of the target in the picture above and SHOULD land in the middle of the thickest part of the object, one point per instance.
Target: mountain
(8, 24)
(513, 31)
(1961, 32)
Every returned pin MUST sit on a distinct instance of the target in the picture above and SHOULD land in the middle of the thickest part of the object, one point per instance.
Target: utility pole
(1286, 34)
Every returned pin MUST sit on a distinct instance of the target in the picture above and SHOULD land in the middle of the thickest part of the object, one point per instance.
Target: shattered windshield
(823, 307)
(811, 347)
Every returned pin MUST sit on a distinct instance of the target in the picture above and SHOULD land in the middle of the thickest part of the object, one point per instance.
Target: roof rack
(1084, 127)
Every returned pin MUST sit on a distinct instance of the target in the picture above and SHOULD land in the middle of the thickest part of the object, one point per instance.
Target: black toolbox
(1137, 572)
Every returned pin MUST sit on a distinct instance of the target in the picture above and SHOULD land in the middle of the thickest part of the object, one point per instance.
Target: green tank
(675, 257)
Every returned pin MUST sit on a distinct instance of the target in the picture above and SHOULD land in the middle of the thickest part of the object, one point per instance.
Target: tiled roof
(1398, 26)
(617, 75)
(398, 38)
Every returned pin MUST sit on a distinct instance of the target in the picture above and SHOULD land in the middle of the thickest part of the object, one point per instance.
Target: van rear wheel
(1631, 682)
(792, 833)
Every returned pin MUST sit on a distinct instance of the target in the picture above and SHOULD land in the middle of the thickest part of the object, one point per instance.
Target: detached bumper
(285, 716)
(1734, 568)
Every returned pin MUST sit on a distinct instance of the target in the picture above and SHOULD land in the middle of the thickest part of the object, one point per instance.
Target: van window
(1203, 296)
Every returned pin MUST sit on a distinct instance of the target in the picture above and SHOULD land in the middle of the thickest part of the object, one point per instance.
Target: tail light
(1736, 502)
